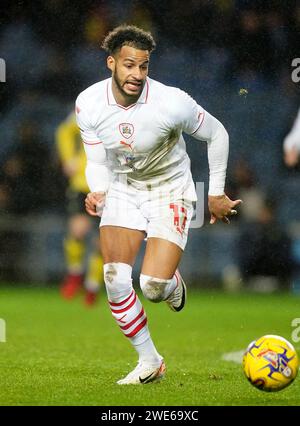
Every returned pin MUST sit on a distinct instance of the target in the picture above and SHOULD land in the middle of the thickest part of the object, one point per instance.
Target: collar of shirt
(111, 99)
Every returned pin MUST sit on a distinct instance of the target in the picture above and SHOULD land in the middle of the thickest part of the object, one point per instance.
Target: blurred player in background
(291, 144)
(139, 173)
(81, 271)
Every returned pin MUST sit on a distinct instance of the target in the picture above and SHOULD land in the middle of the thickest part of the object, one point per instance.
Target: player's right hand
(94, 203)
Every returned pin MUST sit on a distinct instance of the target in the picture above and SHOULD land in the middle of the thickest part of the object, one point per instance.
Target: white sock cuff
(118, 281)
(122, 269)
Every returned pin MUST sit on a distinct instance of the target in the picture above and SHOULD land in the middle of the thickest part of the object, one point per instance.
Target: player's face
(129, 70)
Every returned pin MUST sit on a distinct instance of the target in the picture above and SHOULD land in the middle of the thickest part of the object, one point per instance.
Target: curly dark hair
(128, 35)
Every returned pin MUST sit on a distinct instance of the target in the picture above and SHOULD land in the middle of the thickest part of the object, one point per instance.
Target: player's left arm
(203, 126)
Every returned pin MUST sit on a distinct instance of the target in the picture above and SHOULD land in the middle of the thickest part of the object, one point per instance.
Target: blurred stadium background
(233, 56)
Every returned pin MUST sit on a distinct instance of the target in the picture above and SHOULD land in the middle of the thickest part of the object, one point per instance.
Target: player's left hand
(221, 207)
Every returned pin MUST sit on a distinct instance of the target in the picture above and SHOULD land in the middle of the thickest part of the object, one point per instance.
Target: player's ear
(111, 63)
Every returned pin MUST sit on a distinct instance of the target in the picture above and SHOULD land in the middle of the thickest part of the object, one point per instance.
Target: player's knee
(153, 288)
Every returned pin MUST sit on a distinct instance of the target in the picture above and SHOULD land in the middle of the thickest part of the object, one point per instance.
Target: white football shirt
(144, 141)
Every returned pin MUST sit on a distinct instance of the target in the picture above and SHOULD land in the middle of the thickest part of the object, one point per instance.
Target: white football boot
(177, 298)
(144, 373)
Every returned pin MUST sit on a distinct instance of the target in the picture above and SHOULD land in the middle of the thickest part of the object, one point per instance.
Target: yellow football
(270, 363)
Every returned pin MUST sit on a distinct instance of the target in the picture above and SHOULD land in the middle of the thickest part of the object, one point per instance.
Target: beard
(120, 86)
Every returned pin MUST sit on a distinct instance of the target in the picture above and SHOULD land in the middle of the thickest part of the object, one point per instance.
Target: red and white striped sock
(127, 309)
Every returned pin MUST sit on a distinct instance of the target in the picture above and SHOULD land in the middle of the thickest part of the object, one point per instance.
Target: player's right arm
(97, 173)
(291, 144)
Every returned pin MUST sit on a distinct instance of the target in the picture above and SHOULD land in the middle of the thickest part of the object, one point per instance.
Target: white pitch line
(236, 356)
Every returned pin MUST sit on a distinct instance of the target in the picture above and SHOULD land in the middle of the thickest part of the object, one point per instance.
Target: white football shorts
(160, 213)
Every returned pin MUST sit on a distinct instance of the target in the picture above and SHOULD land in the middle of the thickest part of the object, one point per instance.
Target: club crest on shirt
(126, 130)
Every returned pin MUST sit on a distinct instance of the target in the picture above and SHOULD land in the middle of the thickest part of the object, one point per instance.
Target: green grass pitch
(62, 353)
